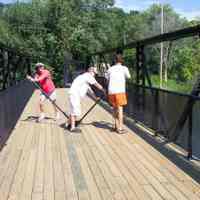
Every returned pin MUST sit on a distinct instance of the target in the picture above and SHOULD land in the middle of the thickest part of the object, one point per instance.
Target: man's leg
(116, 124)
(120, 117)
(121, 100)
(56, 112)
(75, 110)
(72, 122)
(41, 108)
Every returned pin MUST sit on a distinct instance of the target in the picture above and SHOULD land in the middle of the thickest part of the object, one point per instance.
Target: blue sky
(187, 8)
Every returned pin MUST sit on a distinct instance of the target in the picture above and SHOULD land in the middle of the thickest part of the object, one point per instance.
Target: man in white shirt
(117, 75)
(79, 88)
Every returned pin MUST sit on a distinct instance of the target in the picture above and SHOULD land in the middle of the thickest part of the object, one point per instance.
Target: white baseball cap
(39, 65)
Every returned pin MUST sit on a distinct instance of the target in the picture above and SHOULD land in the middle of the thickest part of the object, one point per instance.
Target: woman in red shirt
(43, 77)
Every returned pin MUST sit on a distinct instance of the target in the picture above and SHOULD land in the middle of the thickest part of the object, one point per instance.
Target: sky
(186, 8)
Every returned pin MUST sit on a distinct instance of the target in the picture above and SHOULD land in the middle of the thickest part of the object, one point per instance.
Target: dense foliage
(48, 29)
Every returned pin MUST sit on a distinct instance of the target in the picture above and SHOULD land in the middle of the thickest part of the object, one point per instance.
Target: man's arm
(42, 77)
(91, 92)
(38, 78)
(33, 79)
(127, 73)
(98, 86)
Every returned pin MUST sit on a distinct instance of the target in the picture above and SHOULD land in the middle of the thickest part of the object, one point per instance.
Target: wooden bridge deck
(41, 161)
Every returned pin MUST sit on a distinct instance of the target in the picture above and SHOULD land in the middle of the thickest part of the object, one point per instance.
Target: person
(43, 77)
(78, 90)
(117, 75)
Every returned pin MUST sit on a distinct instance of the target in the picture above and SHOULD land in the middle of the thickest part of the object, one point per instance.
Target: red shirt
(45, 81)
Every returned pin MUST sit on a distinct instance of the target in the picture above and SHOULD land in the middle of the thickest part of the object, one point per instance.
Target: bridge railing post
(190, 130)
(156, 111)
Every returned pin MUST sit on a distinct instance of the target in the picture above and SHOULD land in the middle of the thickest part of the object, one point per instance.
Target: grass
(172, 85)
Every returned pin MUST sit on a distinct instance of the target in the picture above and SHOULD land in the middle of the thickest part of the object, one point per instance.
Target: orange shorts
(116, 100)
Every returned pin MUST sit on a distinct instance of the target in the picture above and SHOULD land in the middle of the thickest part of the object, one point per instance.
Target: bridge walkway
(42, 161)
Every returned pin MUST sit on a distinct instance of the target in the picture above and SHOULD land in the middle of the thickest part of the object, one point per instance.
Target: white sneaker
(41, 117)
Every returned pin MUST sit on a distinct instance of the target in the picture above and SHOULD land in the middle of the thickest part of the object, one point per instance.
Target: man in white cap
(43, 77)
(79, 88)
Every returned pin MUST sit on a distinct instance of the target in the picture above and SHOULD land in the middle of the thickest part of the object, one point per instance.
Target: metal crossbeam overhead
(183, 33)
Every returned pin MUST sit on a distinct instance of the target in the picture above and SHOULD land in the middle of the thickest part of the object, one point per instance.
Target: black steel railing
(14, 90)
(13, 66)
(161, 111)
(172, 114)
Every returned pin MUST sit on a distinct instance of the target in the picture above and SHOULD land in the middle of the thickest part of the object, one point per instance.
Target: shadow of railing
(12, 103)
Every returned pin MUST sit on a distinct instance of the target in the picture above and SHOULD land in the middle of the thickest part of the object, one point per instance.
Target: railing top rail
(168, 91)
(183, 33)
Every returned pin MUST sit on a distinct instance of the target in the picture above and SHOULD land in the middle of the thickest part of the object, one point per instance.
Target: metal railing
(14, 66)
(174, 115)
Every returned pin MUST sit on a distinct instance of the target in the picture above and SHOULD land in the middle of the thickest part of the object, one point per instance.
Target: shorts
(52, 96)
(116, 100)
(74, 105)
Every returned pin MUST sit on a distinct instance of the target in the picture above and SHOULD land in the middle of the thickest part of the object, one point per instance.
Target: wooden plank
(152, 192)
(60, 195)
(101, 182)
(7, 150)
(133, 188)
(90, 181)
(77, 171)
(48, 168)
(121, 155)
(176, 192)
(57, 163)
(148, 171)
(37, 196)
(17, 184)
(38, 186)
(109, 169)
(195, 188)
(9, 174)
(28, 182)
(70, 189)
